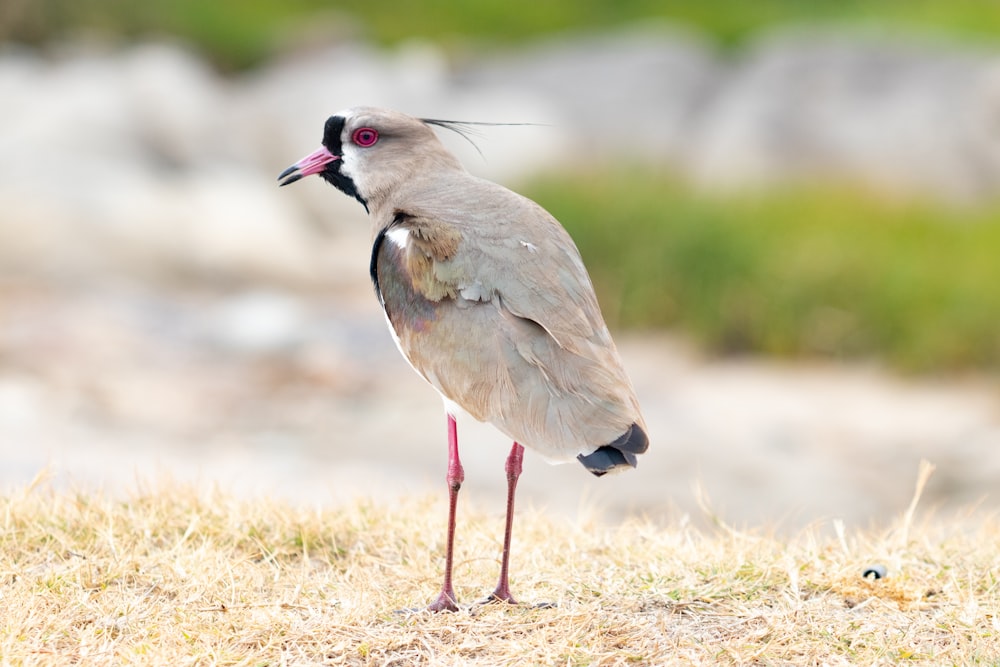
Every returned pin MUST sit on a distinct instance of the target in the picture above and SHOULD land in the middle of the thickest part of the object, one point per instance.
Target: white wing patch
(399, 236)
(475, 292)
(530, 246)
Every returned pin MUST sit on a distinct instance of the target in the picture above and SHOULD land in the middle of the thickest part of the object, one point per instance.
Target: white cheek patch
(349, 165)
(349, 152)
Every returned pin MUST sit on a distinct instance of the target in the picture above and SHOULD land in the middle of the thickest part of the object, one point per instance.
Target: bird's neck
(421, 195)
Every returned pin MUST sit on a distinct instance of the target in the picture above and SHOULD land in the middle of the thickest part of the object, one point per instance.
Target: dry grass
(174, 576)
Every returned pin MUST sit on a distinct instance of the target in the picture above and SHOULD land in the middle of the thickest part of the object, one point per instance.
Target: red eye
(364, 136)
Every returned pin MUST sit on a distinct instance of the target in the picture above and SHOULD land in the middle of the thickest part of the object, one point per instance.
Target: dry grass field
(179, 576)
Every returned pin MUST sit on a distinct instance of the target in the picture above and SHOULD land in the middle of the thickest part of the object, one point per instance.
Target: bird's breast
(399, 281)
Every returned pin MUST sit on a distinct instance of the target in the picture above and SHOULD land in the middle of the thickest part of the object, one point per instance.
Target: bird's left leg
(513, 468)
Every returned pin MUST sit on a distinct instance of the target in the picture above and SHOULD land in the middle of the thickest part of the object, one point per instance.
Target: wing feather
(541, 364)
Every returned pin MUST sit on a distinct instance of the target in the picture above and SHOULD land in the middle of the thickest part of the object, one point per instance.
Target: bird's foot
(500, 597)
(444, 602)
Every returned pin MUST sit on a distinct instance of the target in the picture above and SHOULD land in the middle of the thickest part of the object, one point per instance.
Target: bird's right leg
(446, 601)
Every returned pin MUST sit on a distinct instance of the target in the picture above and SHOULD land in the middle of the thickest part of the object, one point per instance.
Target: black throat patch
(332, 132)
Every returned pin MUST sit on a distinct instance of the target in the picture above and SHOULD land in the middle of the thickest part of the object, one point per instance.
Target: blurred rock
(631, 94)
(909, 118)
(122, 164)
(179, 107)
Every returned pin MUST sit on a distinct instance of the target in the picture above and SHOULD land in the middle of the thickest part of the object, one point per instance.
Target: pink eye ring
(365, 136)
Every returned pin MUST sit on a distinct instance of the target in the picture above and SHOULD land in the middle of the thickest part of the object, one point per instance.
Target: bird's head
(368, 153)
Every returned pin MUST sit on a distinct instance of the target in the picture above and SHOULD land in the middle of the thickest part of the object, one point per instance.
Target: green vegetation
(809, 272)
(240, 33)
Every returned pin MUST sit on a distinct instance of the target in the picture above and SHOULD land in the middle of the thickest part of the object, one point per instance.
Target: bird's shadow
(476, 608)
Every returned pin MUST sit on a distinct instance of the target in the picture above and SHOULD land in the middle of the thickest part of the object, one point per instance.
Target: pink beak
(313, 163)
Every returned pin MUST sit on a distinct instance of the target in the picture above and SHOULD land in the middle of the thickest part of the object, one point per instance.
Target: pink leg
(446, 601)
(513, 468)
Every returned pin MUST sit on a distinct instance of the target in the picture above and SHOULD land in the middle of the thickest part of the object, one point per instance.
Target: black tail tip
(618, 454)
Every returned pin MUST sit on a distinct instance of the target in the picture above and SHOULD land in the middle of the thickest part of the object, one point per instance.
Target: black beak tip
(287, 172)
(288, 181)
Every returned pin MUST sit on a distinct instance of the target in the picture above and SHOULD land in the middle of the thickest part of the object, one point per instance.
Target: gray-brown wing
(502, 319)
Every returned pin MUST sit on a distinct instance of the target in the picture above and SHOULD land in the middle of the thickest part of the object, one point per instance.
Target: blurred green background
(800, 272)
(238, 34)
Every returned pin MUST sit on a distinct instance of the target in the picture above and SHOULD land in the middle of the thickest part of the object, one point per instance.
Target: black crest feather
(469, 128)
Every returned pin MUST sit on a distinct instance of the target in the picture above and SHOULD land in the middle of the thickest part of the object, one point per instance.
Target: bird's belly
(470, 356)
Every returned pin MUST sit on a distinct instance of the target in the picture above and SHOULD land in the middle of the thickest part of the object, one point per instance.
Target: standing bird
(487, 298)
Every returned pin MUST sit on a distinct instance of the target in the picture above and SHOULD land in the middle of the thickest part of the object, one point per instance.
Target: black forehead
(332, 132)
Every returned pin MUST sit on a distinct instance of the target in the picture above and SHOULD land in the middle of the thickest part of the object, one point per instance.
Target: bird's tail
(616, 455)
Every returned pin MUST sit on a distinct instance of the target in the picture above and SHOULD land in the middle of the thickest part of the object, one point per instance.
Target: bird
(488, 299)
